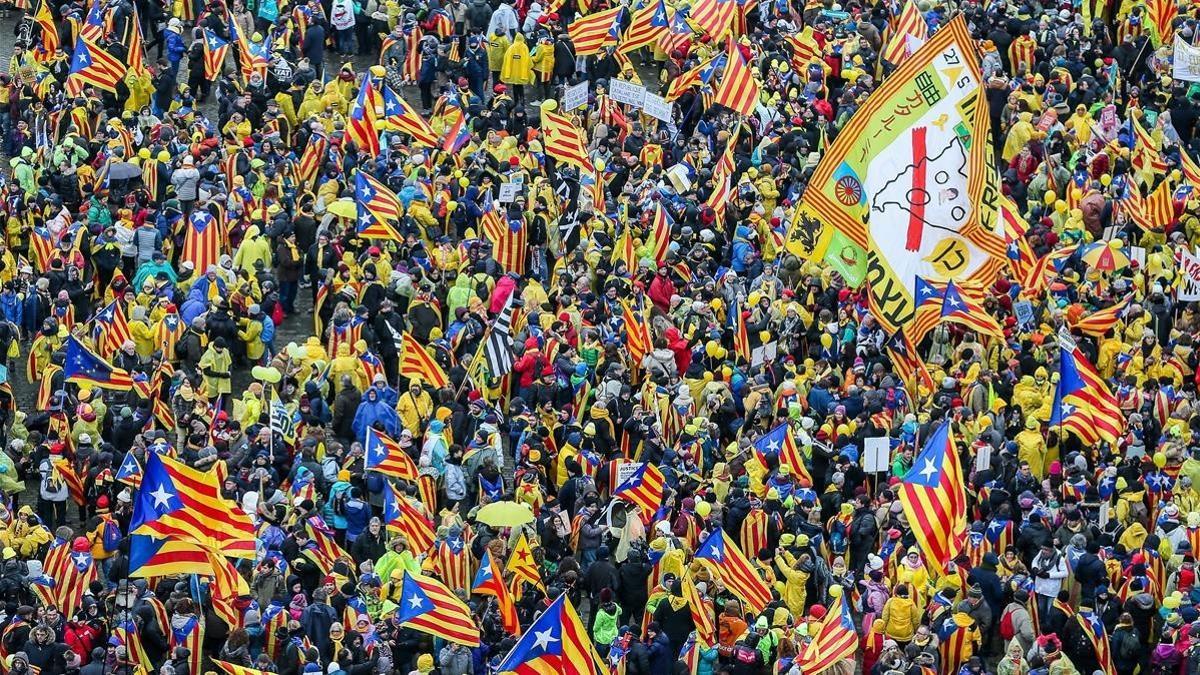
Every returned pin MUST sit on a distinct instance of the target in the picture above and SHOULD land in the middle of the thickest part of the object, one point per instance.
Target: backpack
(110, 536)
(1006, 624)
(745, 654)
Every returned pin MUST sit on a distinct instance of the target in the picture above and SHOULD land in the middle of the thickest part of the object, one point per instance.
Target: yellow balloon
(549, 105)
(835, 591)
(1106, 180)
(826, 340)
(451, 206)
(600, 165)
(1049, 197)
(703, 509)
(1160, 459)
(1060, 206)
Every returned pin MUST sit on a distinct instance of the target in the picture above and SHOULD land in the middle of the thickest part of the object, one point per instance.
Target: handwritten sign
(627, 92)
(575, 96)
(1185, 63)
(1189, 275)
(657, 107)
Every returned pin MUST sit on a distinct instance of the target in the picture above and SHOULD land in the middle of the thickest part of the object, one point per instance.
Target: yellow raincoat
(517, 68)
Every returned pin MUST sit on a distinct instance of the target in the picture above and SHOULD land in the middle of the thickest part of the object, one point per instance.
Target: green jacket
(605, 629)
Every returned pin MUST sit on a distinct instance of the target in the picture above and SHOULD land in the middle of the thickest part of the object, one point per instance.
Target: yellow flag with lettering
(906, 189)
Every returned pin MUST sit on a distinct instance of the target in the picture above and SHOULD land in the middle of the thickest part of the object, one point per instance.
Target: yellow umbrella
(1106, 256)
(504, 514)
(344, 208)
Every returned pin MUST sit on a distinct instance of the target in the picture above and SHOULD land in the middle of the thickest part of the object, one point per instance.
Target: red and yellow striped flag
(1098, 323)
(933, 499)
(565, 142)
(735, 570)
(415, 362)
(836, 639)
(401, 515)
(910, 22)
(523, 567)
(739, 87)
(592, 33)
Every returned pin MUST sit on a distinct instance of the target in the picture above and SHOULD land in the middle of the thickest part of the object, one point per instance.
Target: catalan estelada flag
(1101, 321)
(739, 88)
(126, 634)
(556, 643)
(401, 515)
(741, 337)
(177, 501)
(404, 117)
(1020, 255)
(130, 471)
(111, 330)
(643, 488)
(378, 208)
(361, 126)
(725, 558)
(312, 159)
(426, 605)
(72, 578)
(45, 19)
(645, 28)
(215, 51)
(383, 454)
(202, 240)
(523, 567)
(1083, 403)
(488, 581)
(835, 640)
(702, 611)
(637, 332)
(510, 246)
(150, 557)
(565, 142)
(1145, 155)
(189, 634)
(781, 442)
(324, 550)
(592, 33)
(958, 308)
(453, 562)
(92, 66)
(908, 364)
(85, 367)
(933, 499)
(416, 363)
(1093, 628)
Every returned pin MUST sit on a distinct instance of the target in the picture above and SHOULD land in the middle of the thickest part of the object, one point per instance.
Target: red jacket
(661, 290)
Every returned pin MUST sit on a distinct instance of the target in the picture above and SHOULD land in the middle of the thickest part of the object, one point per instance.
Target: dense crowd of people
(172, 217)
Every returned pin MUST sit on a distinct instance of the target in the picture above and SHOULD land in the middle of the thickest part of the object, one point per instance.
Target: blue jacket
(374, 410)
(357, 516)
(175, 48)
